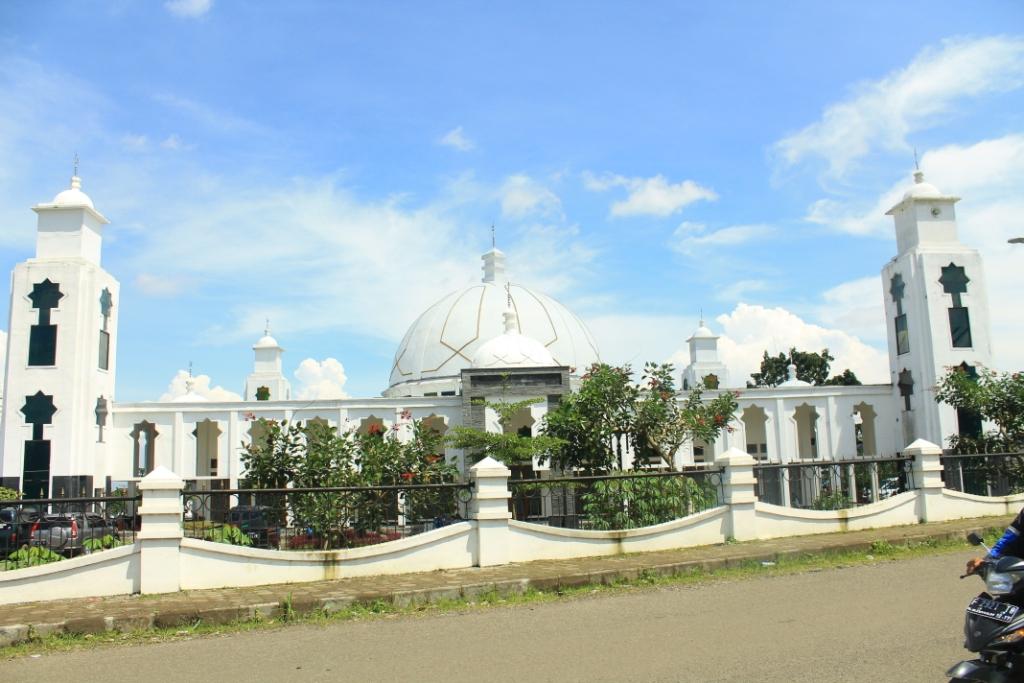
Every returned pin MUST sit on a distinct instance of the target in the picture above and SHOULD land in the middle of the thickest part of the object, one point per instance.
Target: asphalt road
(897, 621)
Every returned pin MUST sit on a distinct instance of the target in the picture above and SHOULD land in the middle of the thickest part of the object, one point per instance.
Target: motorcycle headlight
(998, 583)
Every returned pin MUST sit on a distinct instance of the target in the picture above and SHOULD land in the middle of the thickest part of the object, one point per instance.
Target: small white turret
(705, 366)
(267, 381)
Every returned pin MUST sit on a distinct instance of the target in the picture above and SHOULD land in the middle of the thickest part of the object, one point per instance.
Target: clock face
(936, 211)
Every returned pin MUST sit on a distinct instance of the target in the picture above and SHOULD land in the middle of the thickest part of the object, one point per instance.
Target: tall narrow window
(896, 287)
(106, 303)
(906, 386)
(42, 340)
(38, 411)
(968, 421)
(954, 282)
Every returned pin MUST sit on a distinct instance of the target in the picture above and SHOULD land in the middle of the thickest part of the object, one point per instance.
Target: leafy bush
(629, 502)
(832, 501)
(105, 543)
(30, 557)
(227, 533)
(9, 494)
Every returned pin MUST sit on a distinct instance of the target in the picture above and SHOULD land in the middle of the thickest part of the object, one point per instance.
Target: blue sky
(336, 167)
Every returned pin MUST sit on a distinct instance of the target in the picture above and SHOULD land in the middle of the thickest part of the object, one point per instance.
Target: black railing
(624, 500)
(42, 530)
(322, 518)
(835, 484)
(984, 474)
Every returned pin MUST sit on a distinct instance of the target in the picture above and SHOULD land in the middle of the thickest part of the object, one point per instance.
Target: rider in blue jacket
(1010, 543)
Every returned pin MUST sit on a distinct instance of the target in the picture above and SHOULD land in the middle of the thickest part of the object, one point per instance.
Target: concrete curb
(193, 611)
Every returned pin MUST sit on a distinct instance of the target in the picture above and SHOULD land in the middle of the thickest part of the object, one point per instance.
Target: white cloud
(856, 307)
(136, 142)
(210, 117)
(740, 289)
(636, 338)
(521, 195)
(178, 387)
(154, 285)
(174, 142)
(748, 331)
(320, 379)
(188, 8)
(689, 238)
(653, 196)
(880, 114)
(456, 138)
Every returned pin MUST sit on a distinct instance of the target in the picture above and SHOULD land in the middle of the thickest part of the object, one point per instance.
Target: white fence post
(739, 484)
(160, 533)
(927, 471)
(489, 508)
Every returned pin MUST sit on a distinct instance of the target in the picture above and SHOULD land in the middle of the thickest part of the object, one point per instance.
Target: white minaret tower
(267, 382)
(936, 309)
(705, 366)
(61, 355)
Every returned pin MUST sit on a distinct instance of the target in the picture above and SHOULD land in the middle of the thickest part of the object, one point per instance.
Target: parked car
(889, 487)
(66, 534)
(256, 522)
(15, 527)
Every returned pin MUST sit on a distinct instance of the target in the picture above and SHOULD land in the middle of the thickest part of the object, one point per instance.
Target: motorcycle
(994, 623)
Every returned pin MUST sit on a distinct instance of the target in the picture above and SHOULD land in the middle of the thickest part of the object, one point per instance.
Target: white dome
(447, 336)
(266, 342)
(922, 190)
(512, 350)
(73, 196)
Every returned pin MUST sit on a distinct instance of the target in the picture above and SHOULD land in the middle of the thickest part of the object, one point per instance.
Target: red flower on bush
(375, 428)
(407, 476)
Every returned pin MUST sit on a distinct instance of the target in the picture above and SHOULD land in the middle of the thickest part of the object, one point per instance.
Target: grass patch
(879, 552)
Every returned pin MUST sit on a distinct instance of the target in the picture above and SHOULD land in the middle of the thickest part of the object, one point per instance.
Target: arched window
(144, 448)
(755, 425)
(207, 434)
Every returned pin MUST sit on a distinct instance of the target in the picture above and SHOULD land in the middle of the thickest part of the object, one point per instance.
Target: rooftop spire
(189, 383)
(75, 174)
(494, 266)
(511, 319)
(266, 330)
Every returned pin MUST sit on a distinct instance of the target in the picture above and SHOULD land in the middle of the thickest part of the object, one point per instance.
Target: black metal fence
(833, 485)
(43, 530)
(625, 500)
(984, 474)
(322, 518)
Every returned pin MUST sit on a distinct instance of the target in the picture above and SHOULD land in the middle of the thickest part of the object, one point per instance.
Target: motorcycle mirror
(974, 539)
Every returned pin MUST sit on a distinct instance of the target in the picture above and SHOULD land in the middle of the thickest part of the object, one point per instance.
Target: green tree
(588, 420)
(508, 447)
(9, 494)
(270, 461)
(810, 367)
(317, 456)
(650, 415)
(995, 397)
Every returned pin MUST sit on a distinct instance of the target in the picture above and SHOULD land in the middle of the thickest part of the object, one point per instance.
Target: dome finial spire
(511, 319)
(189, 383)
(266, 330)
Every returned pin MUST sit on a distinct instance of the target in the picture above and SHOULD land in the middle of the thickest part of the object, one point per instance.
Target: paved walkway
(127, 613)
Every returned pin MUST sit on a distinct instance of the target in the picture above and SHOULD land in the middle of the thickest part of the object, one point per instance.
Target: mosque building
(64, 434)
